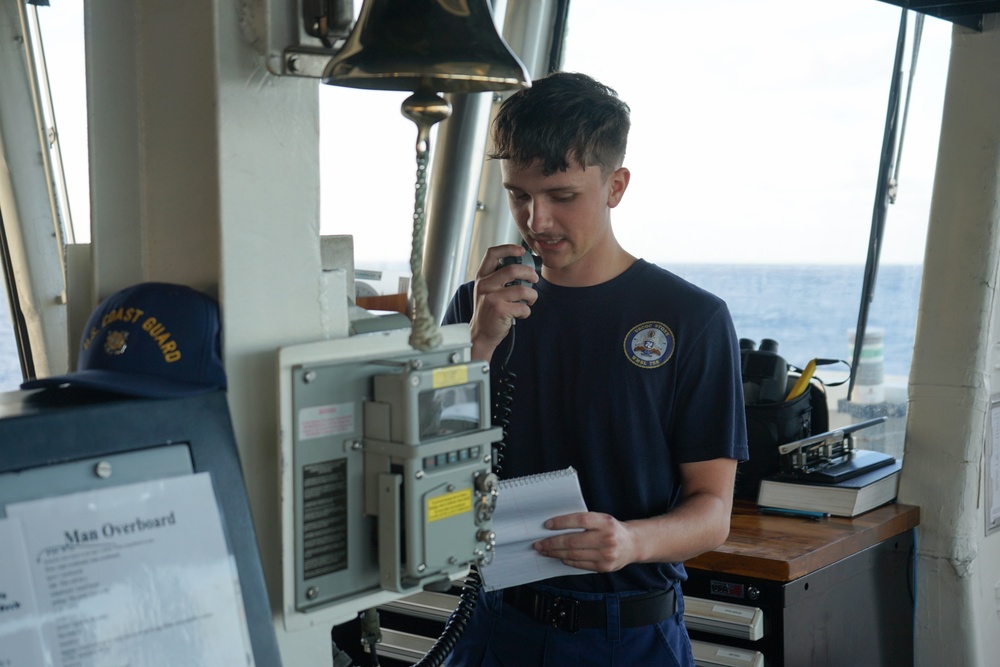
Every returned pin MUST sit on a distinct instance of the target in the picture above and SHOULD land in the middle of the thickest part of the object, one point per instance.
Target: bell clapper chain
(424, 107)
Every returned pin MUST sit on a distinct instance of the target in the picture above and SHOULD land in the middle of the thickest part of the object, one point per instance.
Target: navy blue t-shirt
(623, 381)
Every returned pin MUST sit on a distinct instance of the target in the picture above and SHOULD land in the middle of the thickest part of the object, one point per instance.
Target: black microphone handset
(526, 258)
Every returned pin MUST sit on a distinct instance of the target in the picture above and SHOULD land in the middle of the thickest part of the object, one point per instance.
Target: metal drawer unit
(856, 611)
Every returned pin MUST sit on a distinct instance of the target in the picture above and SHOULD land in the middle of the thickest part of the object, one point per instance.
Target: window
(370, 195)
(10, 368)
(754, 155)
(60, 42)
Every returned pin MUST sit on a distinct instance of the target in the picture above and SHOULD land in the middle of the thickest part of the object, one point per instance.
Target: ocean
(10, 369)
(809, 310)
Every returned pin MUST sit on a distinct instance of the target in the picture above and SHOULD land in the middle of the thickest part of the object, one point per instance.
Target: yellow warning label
(449, 505)
(449, 376)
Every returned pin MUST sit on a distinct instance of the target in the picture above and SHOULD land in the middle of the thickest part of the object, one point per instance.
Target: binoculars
(765, 372)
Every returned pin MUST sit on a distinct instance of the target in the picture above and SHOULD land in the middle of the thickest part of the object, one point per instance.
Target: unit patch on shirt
(649, 345)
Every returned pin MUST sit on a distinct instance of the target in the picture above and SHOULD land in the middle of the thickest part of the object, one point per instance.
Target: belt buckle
(562, 613)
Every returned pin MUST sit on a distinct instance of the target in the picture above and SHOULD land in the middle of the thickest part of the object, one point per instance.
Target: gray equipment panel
(346, 535)
(386, 480)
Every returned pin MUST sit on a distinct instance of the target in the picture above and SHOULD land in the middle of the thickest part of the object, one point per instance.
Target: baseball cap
(154, 340)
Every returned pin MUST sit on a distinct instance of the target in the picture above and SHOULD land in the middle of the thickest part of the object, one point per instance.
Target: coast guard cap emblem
(649, 345)
(116, 342)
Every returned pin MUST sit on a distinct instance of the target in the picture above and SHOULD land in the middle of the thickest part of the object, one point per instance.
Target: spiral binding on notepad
(538, 478)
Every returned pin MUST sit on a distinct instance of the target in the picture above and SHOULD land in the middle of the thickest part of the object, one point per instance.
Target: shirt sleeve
(460, 308)
(713, 423)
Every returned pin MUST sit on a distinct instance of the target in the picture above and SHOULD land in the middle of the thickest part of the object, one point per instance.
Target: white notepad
(523, 506)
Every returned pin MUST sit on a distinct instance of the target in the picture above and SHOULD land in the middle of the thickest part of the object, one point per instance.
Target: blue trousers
(499, 635)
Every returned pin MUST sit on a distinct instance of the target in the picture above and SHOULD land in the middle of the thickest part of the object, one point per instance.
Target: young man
(624, 371)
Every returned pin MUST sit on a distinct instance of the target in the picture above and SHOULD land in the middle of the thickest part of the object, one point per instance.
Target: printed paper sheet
(134, 575)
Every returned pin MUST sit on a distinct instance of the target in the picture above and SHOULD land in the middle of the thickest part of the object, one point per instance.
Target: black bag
(772, 424)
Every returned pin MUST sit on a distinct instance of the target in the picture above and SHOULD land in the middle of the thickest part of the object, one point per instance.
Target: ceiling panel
(962, 12)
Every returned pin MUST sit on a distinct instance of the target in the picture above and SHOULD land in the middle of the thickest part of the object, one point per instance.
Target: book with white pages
(845, 498)
(523, 506)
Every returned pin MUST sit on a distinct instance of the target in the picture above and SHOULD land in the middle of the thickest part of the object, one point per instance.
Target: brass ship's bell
(450, 46)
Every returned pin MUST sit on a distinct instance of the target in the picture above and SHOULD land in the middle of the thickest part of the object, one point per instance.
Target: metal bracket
(306, 62)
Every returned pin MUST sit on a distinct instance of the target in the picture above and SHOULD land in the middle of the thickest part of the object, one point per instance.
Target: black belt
(570, 614)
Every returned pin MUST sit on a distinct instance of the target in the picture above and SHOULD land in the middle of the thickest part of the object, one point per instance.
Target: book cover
(848, 497)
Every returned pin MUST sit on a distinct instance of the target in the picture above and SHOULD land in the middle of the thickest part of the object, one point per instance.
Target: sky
(757, 128)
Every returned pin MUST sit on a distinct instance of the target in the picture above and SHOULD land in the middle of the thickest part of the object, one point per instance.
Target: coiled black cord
(503, 404)
(456, 623)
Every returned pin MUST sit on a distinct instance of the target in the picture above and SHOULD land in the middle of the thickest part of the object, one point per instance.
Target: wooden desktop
(834, 591)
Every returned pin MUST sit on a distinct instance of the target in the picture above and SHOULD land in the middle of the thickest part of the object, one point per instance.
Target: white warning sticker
(325, 420)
